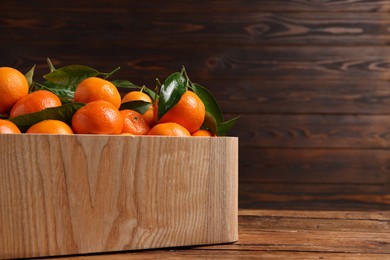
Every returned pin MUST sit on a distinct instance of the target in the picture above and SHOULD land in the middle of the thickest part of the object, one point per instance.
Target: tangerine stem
(51, 66)
(184, 73)
(110, 73)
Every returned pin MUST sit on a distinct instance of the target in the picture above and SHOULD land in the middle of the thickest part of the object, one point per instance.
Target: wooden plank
(310, 196)
(256, 198)
(311, 241)
(314, 178)
(317, 221)
(314, 165)
(237, 28)
(73, 194)
(313, 131)
(315, 201)
(211, 6)
(378, 217)
(299, 96)
(365, 233)
(229, 254)
(227, 62)
(249, 188)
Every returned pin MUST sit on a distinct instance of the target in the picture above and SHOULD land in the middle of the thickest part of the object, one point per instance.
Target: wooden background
(309, 78)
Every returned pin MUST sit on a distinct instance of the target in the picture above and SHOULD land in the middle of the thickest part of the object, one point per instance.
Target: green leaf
(152, 94)
(210, 123)
(64, 93)
(128, 85)
(121, 83)
(138, 105)
(225, 126)
(3, 116)
(209, 101)
(170, 93)
(29, 76)
(63, 113)
(71, 74)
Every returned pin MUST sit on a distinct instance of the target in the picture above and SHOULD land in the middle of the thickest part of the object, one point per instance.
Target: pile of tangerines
(75, 101)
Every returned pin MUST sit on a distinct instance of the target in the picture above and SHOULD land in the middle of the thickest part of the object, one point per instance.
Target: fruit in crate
(189, 112)
(35, 102)
(7, 127)
(50, 126)
(81, 100)
(13, 87)
(97, 117)
(140, 96)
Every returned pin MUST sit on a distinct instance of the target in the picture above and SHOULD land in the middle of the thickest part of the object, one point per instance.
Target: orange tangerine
(169, 129)
(35, 102)
(134, 123)
(50, 126)
(94, 88)
(202, 132)
(7, 127)
(13, 87)
(139, 95)
(189, 112)
(97, 117)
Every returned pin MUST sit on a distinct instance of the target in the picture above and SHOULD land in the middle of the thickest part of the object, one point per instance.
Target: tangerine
(139, 95)
(136, 95)
(203, 132)
(94, 88)
(13, 87)
(97, 117)
(34, 102)
(7, 127)
(134, 123)
(189, 112)
(169, 129)
(50, 126)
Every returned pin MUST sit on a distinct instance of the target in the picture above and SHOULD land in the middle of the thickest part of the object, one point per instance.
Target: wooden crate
(78, 194)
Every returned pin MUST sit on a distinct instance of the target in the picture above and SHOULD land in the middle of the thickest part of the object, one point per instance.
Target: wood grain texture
(316, 165)
(314, 196)
(282, 97)
(227, 62)
(239, 27)
(314, 131)
(212, 6)
(234, 254)
(290, 234)
(80, 194)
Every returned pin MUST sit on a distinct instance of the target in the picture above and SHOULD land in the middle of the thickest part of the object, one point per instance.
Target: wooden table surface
(288, 234)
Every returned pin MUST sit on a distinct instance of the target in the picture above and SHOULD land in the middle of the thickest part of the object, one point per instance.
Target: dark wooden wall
(310, 79)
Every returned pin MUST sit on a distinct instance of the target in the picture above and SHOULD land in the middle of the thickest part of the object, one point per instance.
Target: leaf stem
(184, 73)
(40, 85)
(50, 64)
(110, 73)
(158, 83)
(157, 89)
